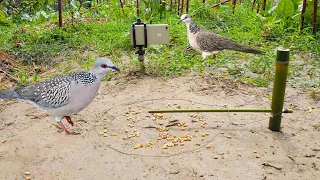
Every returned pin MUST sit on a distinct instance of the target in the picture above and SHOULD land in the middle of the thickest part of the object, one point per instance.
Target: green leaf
(285, 8)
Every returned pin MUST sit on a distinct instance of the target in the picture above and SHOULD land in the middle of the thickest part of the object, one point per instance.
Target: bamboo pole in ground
(279, 88)
(216, 110)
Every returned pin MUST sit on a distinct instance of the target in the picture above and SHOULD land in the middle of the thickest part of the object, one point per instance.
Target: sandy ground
(205, 145)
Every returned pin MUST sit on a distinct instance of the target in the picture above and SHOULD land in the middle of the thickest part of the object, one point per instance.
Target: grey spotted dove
(209, 43)
(64, 95)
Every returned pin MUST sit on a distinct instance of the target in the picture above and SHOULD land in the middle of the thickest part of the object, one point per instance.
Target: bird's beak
(115, 68)
(180, 21)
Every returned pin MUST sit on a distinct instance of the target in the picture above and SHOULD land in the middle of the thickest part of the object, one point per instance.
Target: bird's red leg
(69, 120)
(66, 130)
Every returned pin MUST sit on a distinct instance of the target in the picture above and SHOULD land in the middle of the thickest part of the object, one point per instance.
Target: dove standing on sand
(64, 95)
(208, 43)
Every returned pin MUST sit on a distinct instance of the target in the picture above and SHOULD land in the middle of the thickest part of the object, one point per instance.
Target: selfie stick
(141, 51)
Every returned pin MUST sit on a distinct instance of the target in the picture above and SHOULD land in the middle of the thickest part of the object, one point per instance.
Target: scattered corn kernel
(215, 157)
(114, 134)
(229, 137)
(105, 127)
(208, 147)
(28, 178)
(203, 135)
(27, 173)
(197, 144)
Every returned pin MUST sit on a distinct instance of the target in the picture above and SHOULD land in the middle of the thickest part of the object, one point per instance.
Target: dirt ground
(205, 145)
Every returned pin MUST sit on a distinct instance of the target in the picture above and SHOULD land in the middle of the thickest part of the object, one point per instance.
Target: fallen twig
(270, 165)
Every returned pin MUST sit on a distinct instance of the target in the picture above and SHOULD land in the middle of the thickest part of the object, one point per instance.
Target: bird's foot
(69, 120)
(187, 48)
(66, 130)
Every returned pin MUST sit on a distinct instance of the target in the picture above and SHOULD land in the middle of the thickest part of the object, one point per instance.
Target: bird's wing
(52, 93)
(209, 41)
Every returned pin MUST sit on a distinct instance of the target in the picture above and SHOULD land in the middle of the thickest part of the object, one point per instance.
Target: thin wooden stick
(137, 6)
(234, 2)
(314, 19)
(182, 3)
(187, 7)
(264, 5)
(60, 12)
(304, 5)
(178, 7)
(253, 3)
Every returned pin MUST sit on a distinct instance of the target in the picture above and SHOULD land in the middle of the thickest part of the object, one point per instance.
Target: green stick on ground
(216, 110)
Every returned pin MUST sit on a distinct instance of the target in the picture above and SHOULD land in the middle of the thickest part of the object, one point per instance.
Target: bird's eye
(104, 66)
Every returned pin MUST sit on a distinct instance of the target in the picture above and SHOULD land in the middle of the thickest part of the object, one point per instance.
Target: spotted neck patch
(84, 78)
(194, 28)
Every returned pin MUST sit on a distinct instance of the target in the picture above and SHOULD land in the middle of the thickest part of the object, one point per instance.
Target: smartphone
(156, 34)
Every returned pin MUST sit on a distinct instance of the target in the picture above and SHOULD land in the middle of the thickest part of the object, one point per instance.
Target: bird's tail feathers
(248, 50)
(9, 94)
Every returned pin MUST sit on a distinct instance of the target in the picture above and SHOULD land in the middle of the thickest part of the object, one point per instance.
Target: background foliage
(29, 31)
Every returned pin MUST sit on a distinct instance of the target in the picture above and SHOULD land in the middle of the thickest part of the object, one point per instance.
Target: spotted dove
(208, 43)
(64, 95)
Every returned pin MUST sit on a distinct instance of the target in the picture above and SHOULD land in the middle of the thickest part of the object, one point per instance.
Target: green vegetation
(100, 29)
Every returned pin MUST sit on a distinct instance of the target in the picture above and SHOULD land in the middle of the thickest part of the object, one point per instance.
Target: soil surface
(119, 139)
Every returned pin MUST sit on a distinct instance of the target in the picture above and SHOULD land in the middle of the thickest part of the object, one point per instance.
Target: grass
(45, 45)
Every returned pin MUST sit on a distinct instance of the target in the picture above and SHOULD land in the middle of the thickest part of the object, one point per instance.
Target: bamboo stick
(279, 88)
(216, 110)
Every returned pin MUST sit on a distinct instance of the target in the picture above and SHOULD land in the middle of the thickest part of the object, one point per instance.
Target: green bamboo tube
(215, 110)
(279, 88)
